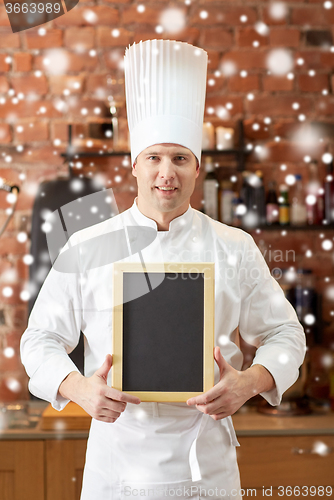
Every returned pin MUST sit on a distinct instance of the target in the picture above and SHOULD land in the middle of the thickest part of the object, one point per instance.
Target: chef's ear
(197, 168)
(134, 171)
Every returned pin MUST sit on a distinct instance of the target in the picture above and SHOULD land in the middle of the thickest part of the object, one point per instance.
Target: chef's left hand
(229, 394)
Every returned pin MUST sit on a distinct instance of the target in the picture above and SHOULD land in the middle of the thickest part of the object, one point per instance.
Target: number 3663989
(32, 8)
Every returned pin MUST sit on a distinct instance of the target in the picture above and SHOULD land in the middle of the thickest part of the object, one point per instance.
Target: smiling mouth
(166, 188)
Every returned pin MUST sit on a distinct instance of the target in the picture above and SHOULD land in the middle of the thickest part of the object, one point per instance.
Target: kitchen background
(270, 80)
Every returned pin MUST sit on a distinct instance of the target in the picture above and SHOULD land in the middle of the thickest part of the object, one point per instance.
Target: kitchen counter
(48, 464)
(247, 422)
(30, 426)
(289, 456)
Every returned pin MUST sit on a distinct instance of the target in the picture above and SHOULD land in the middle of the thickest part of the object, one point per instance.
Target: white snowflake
(172, 20)
(279, 61)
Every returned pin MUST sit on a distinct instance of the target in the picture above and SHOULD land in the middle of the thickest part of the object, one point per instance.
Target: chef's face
(166, 176)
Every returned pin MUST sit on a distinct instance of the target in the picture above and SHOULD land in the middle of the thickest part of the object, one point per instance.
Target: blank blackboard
(163, 330)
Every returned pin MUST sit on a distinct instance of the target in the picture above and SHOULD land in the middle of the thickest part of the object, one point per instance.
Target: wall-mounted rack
(240, 152)
(288, 228)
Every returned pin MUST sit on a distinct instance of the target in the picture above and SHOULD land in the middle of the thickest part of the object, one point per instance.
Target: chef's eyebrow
(160, 152)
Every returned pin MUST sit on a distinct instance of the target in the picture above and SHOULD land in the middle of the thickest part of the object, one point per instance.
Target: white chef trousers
(145, 454)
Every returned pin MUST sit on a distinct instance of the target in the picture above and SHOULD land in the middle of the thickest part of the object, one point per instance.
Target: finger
(220, 416)
(216, 406)
(105, 412)
(216, 414)
(206, 397)
(220, 360)
(107, 420)
(216, 352)
(107, 417)
(110, 409)
(112, 404)
(113, 412)
(117, 395)
(105, 367)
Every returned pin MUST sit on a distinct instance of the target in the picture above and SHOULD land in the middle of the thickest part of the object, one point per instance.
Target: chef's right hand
(94, 395)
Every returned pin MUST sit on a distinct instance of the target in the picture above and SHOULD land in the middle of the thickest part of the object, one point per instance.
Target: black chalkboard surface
(163, 330)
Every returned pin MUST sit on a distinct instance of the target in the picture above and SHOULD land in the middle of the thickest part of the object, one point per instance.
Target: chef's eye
(153, 157)
(180, 158)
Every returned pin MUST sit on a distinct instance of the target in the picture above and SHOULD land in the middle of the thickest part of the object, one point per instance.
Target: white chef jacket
(157, 446)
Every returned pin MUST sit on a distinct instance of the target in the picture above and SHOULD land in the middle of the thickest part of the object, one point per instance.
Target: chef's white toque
(165, 83)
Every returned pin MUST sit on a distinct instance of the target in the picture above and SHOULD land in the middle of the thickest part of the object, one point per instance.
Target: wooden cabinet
(288, 452)
(22, 470)
(41, 470)
(268, 462)
(65, 461)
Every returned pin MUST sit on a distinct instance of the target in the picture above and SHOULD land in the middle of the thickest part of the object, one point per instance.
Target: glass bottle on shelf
(244, 191)
(331, 382)
(298, 213)
(208, 137)
(252, 195)
(318, 383)
(271, 204)
(283, 206)
(321, 205)
(314, 196)
(114, 124)
(238, 211)
(210, 190)
(329, 194)
(260, 198)
(226, 202)
(305, 304)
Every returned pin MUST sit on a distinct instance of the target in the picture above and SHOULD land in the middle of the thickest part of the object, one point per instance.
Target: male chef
(159, 450)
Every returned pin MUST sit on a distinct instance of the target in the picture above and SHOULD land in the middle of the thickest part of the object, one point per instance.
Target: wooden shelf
(316, 227)
(240, 152)
(87, 154)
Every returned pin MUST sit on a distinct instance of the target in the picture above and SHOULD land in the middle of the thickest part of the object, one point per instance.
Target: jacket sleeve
(269, 322)
(53, 332)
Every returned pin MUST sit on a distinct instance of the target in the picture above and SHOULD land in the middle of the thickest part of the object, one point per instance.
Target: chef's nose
(167, 169)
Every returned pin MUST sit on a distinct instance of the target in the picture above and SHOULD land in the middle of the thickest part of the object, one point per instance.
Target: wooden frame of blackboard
(206, 270)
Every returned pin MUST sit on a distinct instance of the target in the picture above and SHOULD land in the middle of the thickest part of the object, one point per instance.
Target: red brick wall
(49, 75)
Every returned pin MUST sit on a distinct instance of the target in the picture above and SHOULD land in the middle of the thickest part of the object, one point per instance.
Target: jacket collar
(181, 222)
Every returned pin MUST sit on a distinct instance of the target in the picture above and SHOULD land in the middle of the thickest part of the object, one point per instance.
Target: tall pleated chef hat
(165, 83)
